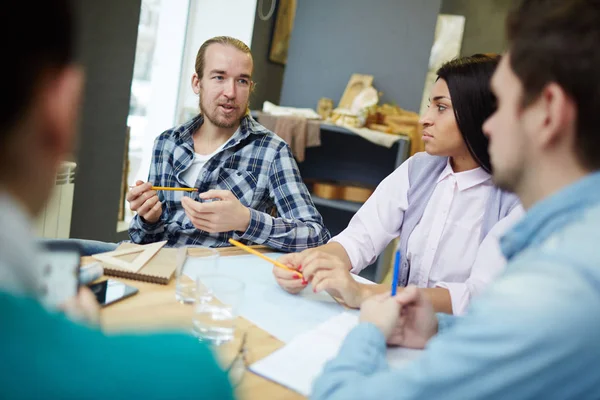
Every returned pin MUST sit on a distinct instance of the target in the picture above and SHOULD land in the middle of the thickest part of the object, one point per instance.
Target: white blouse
(444, 248)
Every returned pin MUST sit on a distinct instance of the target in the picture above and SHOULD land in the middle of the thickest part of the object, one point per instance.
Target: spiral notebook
(158, 269)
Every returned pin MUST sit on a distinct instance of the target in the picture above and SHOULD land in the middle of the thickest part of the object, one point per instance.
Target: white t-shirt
(190, 175)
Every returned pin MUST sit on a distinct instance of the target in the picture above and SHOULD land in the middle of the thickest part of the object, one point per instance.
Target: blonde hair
(224, 40)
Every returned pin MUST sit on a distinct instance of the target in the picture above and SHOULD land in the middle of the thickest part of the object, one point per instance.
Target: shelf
(337, 204)
(337, 129)
(328, 127)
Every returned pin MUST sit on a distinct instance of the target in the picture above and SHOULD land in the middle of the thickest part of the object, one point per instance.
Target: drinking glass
(201, 261)
(218, 301)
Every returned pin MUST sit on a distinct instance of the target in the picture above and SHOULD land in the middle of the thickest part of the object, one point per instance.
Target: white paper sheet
(300, 362)
(281, 314)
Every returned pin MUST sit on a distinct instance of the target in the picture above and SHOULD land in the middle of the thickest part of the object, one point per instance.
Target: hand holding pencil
(291, 282)
(325, 272)
(266, 258)
(144, 200)
(294, 280)
(286, 275)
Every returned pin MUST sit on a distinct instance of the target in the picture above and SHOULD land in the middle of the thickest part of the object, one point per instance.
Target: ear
(196, 83)
(59, 110)
(552, 115)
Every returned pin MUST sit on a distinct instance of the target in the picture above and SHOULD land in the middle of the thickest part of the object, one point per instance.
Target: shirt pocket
(458, 248)
(243, 184)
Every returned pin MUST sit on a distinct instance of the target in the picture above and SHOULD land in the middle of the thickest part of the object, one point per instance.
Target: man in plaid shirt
(242, 170)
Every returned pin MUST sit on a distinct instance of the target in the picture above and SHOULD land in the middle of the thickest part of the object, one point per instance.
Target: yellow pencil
(178, 189)
(268, 259)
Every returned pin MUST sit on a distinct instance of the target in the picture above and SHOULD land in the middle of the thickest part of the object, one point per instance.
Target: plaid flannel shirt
(257, 167)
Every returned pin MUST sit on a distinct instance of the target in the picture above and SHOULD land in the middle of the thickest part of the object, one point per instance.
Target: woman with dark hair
(441, 203)
(467, 81)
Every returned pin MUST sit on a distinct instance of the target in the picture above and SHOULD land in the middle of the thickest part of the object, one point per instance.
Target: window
(156, 80)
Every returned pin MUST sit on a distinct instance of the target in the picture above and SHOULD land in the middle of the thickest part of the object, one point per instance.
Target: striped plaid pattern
(257, 167)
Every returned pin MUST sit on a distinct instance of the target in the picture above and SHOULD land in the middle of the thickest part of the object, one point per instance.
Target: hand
(383, 311)
(289, 281)
(417, 323)
(225, 215)
(328, 272)
(143, 200)
(83, 307)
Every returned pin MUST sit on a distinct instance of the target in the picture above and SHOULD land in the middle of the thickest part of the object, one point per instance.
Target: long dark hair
(468, 80)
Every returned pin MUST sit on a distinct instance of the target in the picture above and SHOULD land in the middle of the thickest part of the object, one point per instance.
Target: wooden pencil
(177, 189)
(268, 259)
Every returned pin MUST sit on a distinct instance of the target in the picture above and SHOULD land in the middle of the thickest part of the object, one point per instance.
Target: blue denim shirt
(535, 333)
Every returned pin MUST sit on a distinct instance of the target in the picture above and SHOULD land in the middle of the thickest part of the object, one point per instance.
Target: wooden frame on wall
(124, 176)
(282, 32)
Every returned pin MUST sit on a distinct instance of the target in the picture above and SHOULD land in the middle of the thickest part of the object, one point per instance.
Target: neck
(29, 183)
(211, 133)
(463, 163)
(549, 178)
(29, 203)
(28, 170)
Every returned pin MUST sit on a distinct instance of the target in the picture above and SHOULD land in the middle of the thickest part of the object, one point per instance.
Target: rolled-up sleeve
(378, 221)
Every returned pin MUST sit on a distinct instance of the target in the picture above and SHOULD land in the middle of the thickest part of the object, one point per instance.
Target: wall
(108, 33)
(390, 39)
(484, 32)
(484, 25)
(268, 75)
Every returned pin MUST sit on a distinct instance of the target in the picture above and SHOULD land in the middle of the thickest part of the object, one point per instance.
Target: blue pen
(396, 272)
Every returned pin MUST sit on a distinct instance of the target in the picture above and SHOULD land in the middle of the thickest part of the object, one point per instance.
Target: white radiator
(54, 221)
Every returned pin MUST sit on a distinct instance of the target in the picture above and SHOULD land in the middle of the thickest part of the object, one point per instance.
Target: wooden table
(155, 308)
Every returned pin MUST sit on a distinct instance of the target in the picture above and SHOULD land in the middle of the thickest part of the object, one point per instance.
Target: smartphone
(110, 291)
(59, 266)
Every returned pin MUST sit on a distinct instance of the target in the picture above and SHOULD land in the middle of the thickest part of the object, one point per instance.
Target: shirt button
(205, 173)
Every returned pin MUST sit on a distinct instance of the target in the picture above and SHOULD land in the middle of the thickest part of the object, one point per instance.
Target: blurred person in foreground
(44, 354)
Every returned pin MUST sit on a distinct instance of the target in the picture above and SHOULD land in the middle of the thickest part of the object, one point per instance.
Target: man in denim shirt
(535, 332)
(230, 158)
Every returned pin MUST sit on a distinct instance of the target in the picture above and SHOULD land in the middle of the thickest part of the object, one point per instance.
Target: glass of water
(219, 298)
(200, 261)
